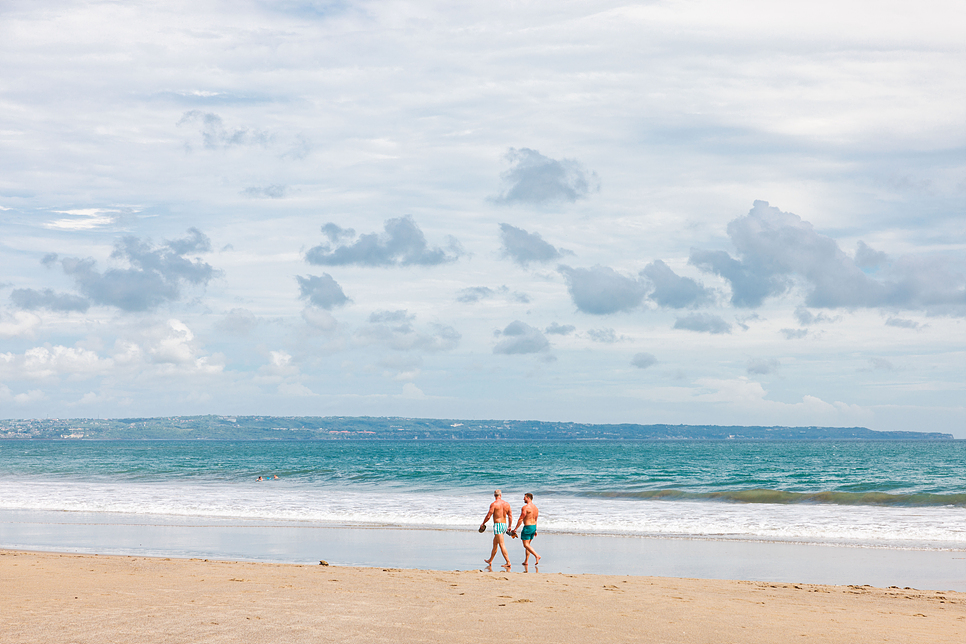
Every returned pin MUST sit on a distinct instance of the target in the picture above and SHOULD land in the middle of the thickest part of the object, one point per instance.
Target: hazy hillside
(365, 428)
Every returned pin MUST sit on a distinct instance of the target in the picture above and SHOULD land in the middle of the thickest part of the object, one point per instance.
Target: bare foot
(506, 565)
(537, 561)
(489, 562)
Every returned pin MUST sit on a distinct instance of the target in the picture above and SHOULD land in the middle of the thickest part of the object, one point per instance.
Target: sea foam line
(762, 495)
(893, 526)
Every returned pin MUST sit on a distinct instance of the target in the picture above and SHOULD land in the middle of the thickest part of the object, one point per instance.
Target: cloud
(335, 233)
(31, 300)
(401, 366)
(777, 248)
(902, 324)
(402, 244)
(34, 395)
(703, 322)
(794, 334)
(214, 134)
(48, 361)
(607, 336)
(743, 321)
(806, 317)
(91, 398)
(536, 179)
(523, 247)
(600, 290)
(559, 329)
(673, 290)
(155, 275)
(174, 344)
(521, 338)
(762, 366)
(279, 366)
(750, 397)
(23, 324)
(195, 243)
(881, 364)
(410, 390)
(322, 291)
(748, 287)
(164, 349)
(296, 389)
(273, 191)
(84, 219)
(473, 294)
(281, 371)
(319, 319)
(643, 360)
(238, 322)
(395, 330)
(402, 317)
(866, 257)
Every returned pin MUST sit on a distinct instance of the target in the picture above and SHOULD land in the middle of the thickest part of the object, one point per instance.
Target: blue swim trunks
(499, 528)
(529, 532)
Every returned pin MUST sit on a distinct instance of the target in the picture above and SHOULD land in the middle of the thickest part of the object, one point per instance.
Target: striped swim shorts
(499, 528)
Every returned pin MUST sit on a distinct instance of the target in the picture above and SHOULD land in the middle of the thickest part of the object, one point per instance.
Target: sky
(686, 212)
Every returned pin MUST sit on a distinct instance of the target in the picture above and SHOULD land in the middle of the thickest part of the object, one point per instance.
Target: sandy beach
(51, 597)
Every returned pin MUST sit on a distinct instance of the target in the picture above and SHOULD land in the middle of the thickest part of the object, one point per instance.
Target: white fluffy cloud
(174, 344)
(162, 349)
(24, 398)
(54, 361)
(749, 395)
(18, 324)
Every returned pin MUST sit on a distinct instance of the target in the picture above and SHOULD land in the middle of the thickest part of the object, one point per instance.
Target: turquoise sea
(871, 494)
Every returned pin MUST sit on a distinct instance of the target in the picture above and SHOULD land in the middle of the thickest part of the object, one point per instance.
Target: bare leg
(503, 551)
(496, 544)
(530, 551)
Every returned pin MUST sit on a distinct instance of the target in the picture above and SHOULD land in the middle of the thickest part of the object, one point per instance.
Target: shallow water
(465, 549)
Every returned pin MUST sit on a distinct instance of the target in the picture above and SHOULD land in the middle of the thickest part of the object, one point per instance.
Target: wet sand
(51, 597)
(459, 549)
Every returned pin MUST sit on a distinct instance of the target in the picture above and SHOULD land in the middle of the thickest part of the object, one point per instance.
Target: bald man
(502, 516)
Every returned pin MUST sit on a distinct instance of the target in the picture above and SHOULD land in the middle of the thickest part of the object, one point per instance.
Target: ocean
(906, 495)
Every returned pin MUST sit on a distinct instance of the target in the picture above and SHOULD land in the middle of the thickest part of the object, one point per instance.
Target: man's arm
(488, 515)
(520, 520)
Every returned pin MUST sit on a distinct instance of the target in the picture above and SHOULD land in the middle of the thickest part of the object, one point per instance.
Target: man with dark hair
(528, 517)
(502, 516)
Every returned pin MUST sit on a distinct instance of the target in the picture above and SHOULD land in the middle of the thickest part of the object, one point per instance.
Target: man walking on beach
(528, 517)
(502, 516)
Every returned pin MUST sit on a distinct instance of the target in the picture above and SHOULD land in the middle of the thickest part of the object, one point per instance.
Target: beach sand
(72, 598)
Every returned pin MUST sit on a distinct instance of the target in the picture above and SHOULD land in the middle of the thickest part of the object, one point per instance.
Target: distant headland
(393, 428)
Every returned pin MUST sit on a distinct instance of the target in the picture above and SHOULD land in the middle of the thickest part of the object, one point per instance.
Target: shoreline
(440, 550)
(96, 598)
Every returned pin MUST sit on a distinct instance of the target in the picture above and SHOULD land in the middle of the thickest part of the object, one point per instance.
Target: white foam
(872, 526)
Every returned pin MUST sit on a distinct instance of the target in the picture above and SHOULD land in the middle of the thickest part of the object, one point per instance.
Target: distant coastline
(397, 428)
